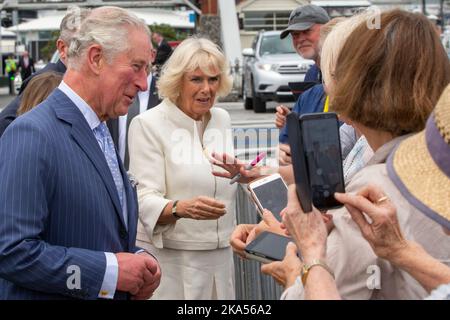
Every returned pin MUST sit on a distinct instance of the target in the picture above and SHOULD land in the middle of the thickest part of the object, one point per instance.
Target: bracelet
(316, 262)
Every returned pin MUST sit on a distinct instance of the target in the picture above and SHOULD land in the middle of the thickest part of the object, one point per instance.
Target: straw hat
(420, 166)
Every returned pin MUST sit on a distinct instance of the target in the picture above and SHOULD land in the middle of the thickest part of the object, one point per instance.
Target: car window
(272, 44)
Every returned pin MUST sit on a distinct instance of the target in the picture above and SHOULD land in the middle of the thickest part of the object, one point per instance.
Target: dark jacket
(311, 101)
(26, 71)
(10, 112)
(163, 53)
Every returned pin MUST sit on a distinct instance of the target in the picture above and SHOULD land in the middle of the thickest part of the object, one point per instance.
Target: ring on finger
(382, 199)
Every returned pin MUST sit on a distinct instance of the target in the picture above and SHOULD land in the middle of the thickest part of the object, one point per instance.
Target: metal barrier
(251, 284)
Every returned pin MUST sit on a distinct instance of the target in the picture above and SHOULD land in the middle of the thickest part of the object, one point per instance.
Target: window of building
(255, 21)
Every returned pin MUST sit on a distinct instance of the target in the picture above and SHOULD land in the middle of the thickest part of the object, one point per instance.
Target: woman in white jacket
(186, 214)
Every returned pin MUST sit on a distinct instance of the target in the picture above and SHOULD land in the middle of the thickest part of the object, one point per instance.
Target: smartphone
(269, 193)
(322, 150)
(299, 166)
(267, 247)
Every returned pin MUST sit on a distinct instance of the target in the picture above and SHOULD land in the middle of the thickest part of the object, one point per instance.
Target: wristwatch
(316, 262)
(174, 210)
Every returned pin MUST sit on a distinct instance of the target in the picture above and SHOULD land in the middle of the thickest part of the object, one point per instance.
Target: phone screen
(272, 196)
(269, 245)
(323, 158)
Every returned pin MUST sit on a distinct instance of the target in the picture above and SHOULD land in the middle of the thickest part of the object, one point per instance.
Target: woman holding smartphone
(386, 83)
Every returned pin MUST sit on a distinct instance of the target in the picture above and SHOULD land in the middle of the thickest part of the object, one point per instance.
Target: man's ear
(62, 48)
(95, 58)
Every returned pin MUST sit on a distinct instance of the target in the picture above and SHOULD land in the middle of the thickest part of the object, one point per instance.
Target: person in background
(163, 49)
(186, 214)
(311, 101)
(38, 90)
(304, 26)
(68, 28)
(26, 65)
(11, 70)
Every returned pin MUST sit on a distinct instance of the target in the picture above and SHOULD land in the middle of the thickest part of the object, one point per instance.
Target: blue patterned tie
(105, 141)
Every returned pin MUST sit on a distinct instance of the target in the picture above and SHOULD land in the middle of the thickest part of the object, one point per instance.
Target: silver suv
(268, 67)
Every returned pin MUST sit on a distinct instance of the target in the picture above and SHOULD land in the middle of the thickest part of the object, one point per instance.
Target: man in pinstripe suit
(68, 212)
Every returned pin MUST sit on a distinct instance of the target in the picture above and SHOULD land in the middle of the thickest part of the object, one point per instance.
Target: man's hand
(284, 158)
(151, 282)
(135, 271)
(282, 112)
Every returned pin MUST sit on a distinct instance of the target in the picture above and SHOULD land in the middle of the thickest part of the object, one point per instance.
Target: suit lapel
(67, 111)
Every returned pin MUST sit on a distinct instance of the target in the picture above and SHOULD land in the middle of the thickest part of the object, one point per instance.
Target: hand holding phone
(322, 148)
(316, 158)
(267, 247)
(269, 193)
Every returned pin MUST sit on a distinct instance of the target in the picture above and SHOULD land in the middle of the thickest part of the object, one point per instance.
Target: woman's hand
(286, 271)
(282, 112)
(243, 234)
(201, 208)
(307, 229)
(239, 238)
(383, 233)
(268, 223)
(233, 166)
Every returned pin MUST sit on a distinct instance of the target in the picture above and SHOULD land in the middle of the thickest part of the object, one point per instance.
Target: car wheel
(248, 102)
(259, 105)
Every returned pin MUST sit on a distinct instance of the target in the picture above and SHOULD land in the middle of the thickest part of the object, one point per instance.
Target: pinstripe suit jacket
(58, 205)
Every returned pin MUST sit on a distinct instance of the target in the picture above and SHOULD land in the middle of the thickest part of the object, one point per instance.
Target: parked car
(268, 67)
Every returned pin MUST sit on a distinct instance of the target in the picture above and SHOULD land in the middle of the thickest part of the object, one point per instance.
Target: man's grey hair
(71, 23)
(108, 27)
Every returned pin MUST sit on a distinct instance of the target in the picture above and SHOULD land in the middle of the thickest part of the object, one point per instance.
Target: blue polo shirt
(311, 101)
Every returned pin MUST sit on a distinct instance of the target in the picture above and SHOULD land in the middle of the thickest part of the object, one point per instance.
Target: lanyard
(327, 102)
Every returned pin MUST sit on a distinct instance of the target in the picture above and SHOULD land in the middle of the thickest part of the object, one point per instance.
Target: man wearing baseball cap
(304, 27)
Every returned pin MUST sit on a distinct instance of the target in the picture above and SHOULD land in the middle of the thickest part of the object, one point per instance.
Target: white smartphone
(269, 193)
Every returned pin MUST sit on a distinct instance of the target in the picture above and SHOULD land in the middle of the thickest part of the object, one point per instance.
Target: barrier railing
(251, 284)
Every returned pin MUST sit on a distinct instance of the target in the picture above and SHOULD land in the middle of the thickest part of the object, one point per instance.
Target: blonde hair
(334, 42)
(390, 79)
(38, 89)
(191, 54)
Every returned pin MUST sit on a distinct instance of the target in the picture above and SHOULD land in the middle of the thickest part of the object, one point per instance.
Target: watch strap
(174, 210)
(307, 267)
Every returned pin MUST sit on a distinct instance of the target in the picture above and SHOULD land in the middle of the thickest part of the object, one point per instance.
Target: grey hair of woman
(108, 27)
